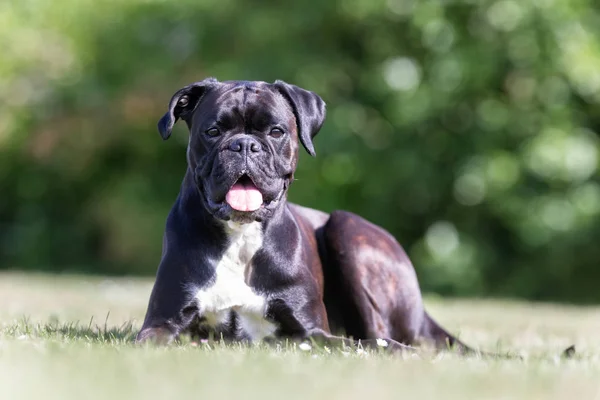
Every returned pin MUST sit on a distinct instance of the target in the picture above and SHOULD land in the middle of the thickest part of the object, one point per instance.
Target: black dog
(242, 263)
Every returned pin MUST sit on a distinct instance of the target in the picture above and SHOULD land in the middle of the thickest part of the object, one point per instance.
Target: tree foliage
(467, 128)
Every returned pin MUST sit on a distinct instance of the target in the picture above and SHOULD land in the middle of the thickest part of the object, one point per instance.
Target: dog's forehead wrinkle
(229, 117)
(258, 107)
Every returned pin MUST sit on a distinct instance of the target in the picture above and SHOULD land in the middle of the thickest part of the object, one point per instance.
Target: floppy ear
(183, 102)
(309, 110)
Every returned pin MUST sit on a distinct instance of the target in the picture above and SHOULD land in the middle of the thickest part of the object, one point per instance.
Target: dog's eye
(183, 101)
(276, 132)
(212, 132)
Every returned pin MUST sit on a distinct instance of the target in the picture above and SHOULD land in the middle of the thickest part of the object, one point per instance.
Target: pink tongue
(244, 197)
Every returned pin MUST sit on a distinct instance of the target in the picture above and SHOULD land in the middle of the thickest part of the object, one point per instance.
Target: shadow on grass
(73, 331)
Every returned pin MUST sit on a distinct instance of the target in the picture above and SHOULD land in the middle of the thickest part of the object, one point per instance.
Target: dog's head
(243, 145)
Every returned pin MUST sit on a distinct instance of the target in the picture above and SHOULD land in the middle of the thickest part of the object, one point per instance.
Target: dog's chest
(229, 304)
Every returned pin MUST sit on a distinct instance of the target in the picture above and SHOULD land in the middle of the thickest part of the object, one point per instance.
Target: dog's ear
(182, 104)
(309, 110)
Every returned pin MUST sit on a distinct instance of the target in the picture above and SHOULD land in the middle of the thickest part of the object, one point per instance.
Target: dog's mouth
(246, 200)
(244, 195)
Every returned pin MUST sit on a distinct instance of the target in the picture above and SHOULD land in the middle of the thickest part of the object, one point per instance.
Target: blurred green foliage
(468, 128)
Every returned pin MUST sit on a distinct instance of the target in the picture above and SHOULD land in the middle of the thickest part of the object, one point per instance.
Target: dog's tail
(442, 339)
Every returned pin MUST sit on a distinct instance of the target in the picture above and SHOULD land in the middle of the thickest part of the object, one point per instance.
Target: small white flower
(556, 360)
(382, 343)
(304, 346)
(327, 349)
(360, 352)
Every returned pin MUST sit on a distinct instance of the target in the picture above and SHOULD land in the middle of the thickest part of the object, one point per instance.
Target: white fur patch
(230, 290)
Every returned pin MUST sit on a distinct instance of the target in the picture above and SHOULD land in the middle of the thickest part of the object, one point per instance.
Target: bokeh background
(467, 128)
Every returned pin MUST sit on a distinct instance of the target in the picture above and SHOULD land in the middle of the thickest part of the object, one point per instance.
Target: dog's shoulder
(309, 216)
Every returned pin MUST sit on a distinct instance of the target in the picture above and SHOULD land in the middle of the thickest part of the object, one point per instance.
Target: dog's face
(243, 145)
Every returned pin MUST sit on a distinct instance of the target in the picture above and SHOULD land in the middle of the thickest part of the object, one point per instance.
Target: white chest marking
(230, 290)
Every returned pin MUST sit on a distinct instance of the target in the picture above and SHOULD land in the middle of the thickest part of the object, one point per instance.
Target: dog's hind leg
(370, 281)
(374, 285)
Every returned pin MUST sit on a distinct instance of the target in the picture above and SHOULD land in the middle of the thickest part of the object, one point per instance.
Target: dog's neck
(192, 205)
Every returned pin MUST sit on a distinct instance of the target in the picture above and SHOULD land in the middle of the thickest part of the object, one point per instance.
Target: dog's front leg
(170, 310)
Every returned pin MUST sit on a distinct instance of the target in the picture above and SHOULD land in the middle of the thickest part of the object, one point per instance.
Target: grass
(70, 337)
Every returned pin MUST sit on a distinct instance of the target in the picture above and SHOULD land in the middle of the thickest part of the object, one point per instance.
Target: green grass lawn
(70, 337)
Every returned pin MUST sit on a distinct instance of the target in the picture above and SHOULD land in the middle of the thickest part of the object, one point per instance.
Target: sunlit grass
(71, 337)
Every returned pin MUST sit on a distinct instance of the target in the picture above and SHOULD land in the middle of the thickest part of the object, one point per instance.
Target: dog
(241, 263)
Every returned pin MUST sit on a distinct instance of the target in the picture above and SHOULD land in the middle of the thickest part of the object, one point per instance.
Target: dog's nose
(245, 144)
